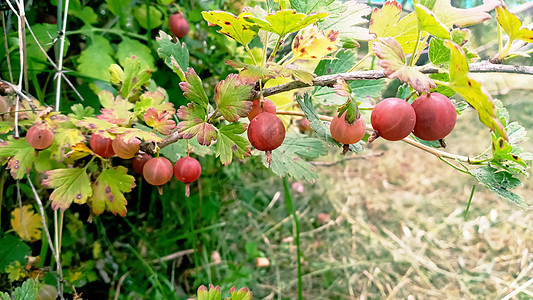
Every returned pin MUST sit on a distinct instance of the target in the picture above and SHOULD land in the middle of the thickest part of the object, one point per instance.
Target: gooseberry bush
(306, 47)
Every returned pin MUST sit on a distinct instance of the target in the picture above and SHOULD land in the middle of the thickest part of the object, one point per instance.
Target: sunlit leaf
(132, 133)
(242, 294)
(155, 100)
(394, 65)
(348, 22)
(27, 224)
(428, 22)
(236, 28)
(116, 110)
(385, 22)
(231, 97)
(95, 124)
(512, 25)
(135, 77)
(250, 74)
(451, 16)
(64, 138)
(70, 185)
(230, 143)
(471, 91)
(285, 21)
(78, 151)
(109, 189)
(314, 44)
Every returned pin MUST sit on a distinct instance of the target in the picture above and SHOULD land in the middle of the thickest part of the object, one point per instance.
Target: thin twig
(173, 255)
(7, 48)
(120, 281)
(45, 226)
(62, 73)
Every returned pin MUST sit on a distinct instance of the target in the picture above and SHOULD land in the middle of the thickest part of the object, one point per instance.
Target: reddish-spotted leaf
(128, 134)
(21, 156)
(285, 21)
(109, 189)
(314, 44)
(70, 185)
(153, 100)
(235, 27)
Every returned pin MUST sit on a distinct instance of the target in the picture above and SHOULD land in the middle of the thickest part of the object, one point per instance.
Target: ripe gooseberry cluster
(159, 170)
(430, 117)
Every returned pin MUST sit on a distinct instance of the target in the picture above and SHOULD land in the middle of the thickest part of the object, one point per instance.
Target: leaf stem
(251, 54)
(278, 42)
(292, 210)
(413, 55)
(469, 202)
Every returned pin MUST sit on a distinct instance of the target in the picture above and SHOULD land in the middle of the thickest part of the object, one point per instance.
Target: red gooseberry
(435, 116)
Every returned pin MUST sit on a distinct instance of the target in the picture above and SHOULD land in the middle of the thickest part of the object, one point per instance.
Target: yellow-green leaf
(70, 185)
(512, 25)
(285, 21)
(234, 27)
(460, 17)
(385, 22)
(471, 91)
(428, 22)
(22, 156)
(109, 190)
(26, 224)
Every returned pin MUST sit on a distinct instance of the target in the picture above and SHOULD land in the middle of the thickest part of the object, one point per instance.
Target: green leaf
(70, 185)
(45, 34)
(393, 61)
(28, 290)
(321, 127)
(13, 249)
(236, 28)
(118, 7)
(506, 156)
(230, 143)
(285, 21)
(471, 91)
(130, 47)
(443, 89)
(427, 21)
(194, 123)
(21, 156)
(15, 271)
(439, 54)
(109, 189)
(168, 50)
(83, 12)
(79, 112)
(140, 14)
(95, 60)
(95, 124)
(231, 97)
(499, 183)
(343, 62)
(135, 76)
(288, 159)
(193, 89)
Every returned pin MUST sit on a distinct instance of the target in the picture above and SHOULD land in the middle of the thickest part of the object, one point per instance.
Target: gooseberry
(157, 171)
(126, 149)
(268, 106)
(178, 25)
(102, 145)
(139, 161)
(435, 116)
(266, 132)
(39, 138)
(392, 119)
(187, 170)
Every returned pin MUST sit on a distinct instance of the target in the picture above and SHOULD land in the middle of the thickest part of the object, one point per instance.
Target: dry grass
(396, 230)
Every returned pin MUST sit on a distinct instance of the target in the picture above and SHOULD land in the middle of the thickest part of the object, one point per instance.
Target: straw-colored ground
(391, 225)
